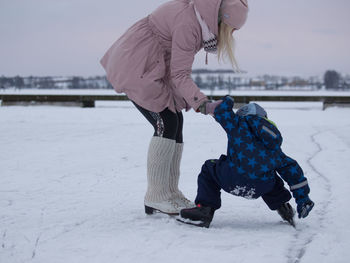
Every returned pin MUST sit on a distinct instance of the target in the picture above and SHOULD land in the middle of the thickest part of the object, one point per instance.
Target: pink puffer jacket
(152, 61)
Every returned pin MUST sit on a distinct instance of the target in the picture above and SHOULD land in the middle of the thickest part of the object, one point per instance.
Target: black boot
(287, 213)
(198, 216)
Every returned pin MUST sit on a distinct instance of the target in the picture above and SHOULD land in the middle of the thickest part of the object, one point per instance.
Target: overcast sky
(68, 37)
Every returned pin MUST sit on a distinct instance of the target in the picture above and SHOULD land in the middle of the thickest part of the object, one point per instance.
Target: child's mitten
(301, 195)
(304, 207)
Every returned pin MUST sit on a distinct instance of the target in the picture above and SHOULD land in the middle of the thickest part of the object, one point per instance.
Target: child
(254, 158)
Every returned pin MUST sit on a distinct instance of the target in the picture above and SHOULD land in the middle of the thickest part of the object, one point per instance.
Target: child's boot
(198, 216)
(287, 213)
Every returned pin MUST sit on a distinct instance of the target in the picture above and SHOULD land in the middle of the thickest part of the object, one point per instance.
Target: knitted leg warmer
(160, 155)
(175, 170)
(177, 195)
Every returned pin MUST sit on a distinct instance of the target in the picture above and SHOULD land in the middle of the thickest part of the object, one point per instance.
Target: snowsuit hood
(252, 109)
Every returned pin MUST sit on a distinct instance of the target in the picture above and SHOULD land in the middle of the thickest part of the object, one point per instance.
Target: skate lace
(173, 203)
(185, 200)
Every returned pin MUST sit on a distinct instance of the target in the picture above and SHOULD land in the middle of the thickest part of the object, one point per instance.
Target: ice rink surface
(72, 182)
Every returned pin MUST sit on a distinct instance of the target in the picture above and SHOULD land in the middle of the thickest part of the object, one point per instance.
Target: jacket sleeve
(292, 173)
(225, 116)
(183, 50)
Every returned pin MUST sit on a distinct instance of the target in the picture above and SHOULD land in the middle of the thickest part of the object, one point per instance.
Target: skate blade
(291, 222)
(193, 223)
(150, 210)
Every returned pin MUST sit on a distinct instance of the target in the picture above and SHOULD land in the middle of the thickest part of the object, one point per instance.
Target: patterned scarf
(210, 41)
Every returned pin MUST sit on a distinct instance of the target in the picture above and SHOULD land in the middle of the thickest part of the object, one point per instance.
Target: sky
(68, 37)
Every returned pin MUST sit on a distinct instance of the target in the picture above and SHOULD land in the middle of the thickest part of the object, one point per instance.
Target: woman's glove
(208, 107)
(304, 207)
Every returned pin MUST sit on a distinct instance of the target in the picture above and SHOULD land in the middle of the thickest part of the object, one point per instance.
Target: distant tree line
(220, 71)
(211, 80)
(74, 82)
(204, 78)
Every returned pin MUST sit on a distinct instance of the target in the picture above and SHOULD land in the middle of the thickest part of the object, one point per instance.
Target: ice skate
(287, 213)
(166, 207)
(200, 216)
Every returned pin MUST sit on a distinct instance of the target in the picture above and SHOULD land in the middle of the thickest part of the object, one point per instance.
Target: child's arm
(292, 173)
(224, 115)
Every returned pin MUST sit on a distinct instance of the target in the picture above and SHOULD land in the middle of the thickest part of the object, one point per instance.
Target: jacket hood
(234, 13)
(209, 10)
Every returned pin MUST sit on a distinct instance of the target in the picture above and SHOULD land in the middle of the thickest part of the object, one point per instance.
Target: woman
(151, 63)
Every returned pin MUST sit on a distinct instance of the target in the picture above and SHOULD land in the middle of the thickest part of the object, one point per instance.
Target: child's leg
(278, 195)
(208, 193)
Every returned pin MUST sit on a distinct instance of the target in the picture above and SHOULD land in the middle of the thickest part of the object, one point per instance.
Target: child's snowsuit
(249, 169)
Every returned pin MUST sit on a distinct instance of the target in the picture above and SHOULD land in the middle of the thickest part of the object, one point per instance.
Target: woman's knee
(173, 125)
(170, 124)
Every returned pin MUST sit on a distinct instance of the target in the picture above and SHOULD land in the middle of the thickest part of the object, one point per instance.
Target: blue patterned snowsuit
(249, 169)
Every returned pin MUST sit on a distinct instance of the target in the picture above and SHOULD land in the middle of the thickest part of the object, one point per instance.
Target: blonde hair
(226, 45)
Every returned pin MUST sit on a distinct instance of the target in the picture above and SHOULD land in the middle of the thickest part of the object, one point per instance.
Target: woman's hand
(208, 107)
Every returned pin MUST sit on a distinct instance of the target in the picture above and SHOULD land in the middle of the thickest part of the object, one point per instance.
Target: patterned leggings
(166, 123)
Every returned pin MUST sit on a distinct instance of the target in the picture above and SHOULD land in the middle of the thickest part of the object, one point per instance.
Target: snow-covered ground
(72, 182)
